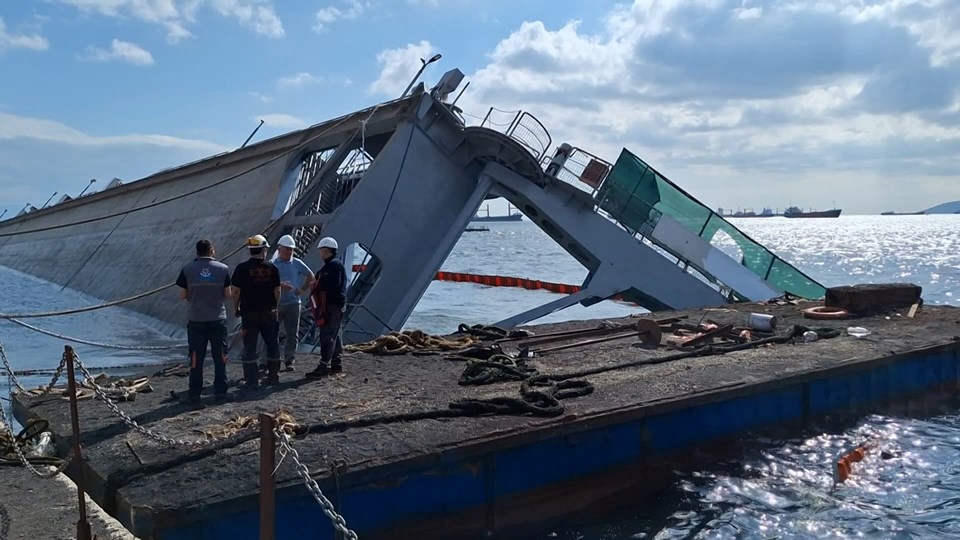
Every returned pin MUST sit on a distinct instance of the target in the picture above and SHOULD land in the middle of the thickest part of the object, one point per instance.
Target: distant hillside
(945, 208)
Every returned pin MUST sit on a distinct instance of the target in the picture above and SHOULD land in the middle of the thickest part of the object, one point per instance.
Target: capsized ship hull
(225, 198)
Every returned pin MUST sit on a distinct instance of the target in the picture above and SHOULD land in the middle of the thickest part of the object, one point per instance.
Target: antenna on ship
(252, 134)
(425, 63)
(92, 180)
(4, 213)
(48, 200)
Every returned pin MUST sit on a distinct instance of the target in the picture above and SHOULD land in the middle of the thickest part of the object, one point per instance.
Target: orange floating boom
(501, 281)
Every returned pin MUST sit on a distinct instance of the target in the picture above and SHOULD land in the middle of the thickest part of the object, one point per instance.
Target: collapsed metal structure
(407, 194)
(397, 183)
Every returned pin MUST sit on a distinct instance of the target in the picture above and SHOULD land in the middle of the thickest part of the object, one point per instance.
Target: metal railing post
(83, 526)
(268, 502)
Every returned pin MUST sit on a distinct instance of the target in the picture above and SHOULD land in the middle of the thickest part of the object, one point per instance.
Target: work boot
(273, 372)
(319, 373)
(289, 366)
(250, 375)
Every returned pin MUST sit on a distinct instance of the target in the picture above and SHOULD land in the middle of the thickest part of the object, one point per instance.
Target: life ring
(825, 313)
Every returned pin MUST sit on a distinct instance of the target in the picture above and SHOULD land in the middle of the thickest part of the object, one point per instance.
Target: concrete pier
(468, 476)
(47, 508)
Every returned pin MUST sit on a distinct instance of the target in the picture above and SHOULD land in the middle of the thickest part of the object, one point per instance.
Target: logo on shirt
(205, 273)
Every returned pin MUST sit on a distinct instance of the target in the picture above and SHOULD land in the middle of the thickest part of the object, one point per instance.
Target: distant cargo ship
(920, 213)
(794, 212)
(766, 212)
(509, 217)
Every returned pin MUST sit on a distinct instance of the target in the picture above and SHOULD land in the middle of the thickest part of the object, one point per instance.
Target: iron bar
(268, 487)
(584, 332)
(83, 526)
(575, 344)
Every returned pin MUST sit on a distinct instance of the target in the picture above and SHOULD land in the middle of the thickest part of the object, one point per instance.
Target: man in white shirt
(296, 279)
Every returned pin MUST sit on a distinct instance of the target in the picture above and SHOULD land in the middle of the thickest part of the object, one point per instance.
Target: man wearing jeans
(295, 279)
(257, 284)
(205, 283)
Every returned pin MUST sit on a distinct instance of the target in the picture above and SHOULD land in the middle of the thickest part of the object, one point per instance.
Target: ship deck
(447, 473)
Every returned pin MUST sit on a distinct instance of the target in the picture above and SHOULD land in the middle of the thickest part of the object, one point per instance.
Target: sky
(746, 104)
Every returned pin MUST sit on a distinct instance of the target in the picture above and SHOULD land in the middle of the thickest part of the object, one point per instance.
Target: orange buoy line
(844, 465)
(501, 281)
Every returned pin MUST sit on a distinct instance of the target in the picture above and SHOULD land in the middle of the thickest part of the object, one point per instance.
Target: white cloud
(122, 51)
(260, 97)
(34, 42)
(726, 91)
(282, 121)
(297, 80)
(331, 14)
(398, 66)
(175, 15)
(22, 127)
(261, 17)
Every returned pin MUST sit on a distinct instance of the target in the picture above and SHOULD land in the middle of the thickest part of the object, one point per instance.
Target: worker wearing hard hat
(257, 293)
(296, 278)
(329, 303)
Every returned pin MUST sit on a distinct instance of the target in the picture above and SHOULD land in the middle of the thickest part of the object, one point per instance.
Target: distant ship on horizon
(766, 212)
(790, 212)
(795, 212)
(510, 216)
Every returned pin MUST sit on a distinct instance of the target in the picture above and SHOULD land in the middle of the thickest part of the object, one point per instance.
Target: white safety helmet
(257, 241)
(327, 242)
(287, 241)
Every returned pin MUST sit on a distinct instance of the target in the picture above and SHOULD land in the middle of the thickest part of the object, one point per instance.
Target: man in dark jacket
(204, 284)
(257, 285)
(329, 299)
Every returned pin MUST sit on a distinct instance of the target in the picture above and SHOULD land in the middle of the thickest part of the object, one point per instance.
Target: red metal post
(83, 526)
(268, 502)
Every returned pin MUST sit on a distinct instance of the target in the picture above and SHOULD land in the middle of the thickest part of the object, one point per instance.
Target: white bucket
(762, 322)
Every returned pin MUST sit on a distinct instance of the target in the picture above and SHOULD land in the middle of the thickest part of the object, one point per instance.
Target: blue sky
(744, 103)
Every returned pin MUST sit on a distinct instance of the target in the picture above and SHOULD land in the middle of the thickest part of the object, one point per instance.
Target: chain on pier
(6, 429)
(16, 381)
(4, 522)
(287, 450)
(159, 437)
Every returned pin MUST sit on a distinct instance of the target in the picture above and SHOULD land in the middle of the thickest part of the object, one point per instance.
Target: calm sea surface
(778, 489)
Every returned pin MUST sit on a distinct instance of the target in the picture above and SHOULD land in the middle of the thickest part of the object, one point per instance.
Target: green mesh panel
(635, 195)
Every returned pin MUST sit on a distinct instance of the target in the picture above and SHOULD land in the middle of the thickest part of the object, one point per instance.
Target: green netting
(635, 195)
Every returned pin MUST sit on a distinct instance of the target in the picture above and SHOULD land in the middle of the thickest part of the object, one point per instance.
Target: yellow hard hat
(257, 241)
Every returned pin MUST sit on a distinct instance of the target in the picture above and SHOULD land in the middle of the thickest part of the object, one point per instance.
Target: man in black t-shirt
(256, 284)
(329, 298)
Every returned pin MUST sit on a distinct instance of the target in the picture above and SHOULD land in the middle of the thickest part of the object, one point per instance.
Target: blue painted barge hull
(508, 482)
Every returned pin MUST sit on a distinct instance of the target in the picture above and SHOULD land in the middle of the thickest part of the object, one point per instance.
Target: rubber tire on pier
(824, 313)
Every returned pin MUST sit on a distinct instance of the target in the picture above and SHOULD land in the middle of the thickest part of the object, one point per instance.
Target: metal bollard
(83, 526)
(268, 502)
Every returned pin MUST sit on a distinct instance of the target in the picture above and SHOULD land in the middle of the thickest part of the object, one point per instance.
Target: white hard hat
(287, 241)
(257, 241)
(327, 242)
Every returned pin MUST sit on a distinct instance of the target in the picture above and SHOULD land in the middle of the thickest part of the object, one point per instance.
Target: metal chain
(285, 449)
(13, 375)
(96, 343)
(5, 522)
(23, 459)
(159, 437)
